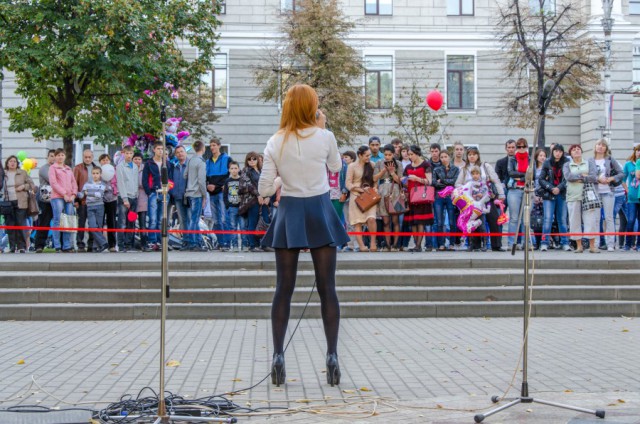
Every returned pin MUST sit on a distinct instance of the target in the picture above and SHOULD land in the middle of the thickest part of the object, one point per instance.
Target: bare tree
(546, 40)
(313, 52)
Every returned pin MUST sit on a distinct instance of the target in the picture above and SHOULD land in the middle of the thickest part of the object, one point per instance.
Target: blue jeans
(441, 205)
(252, 221)
(195, 211)
(95, 217)
(218, 210)
(620, 205)
(155, 216)
(633, 217)
(58, 206)
(183, 213)
(235, 223)
(554, 208)
(125, 240)
(514, 200)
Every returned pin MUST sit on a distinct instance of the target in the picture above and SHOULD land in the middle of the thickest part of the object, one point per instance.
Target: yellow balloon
(27, 164)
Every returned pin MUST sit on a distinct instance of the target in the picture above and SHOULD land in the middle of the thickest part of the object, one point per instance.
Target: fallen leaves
(20, 362)
(173, 363)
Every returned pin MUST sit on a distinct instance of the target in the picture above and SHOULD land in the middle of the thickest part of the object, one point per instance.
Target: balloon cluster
(27, 163)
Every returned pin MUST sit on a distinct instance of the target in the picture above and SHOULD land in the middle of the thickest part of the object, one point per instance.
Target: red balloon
(435, 100)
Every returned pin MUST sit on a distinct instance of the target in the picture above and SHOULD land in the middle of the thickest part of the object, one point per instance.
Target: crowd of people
(576, 195)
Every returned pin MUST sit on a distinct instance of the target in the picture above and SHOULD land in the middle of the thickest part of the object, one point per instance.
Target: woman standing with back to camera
(300, 153)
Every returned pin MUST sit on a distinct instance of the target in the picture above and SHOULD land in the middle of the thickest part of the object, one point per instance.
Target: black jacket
(502, 171)
(445, 177)
(546, 180)
(513, 173)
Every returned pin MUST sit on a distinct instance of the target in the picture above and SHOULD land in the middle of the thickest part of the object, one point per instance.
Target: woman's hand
(321, 119)
(414, 178)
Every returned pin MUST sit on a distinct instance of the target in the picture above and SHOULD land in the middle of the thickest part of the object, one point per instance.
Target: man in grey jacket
(196, 194)
(127, 174)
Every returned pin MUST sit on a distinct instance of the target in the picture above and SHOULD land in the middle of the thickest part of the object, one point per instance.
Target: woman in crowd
(418, 172)
(537, 211)
(348, 158)
(609, 173)
(142, 208)
(63, 193)
(110, 203)
(577, 172)
(633, 203)
(360, 176)
(17, 185)
(489, 175)
(300, 153)
(445, 176)
(387, 174)
(553, 190)
(249, 186)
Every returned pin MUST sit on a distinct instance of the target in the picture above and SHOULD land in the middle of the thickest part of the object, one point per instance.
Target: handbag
(6, 206)
(368, 199)
(613, 173)
(421, 194)
(262, 224)
(590, 197)
(69, 221)
(396, 204)
(32, 206)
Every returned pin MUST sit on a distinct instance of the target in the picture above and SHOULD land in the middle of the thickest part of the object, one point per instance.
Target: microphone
(547, 89)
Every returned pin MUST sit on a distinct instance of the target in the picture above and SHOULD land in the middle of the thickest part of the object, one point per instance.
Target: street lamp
(607, 25)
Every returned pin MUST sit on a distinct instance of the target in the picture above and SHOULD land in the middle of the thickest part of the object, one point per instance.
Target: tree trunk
(67, 145)
(541, 138)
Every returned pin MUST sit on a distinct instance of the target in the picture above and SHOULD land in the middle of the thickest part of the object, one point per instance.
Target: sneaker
(626, 248)
(544, 248)
(566, 248)
(610, 249)
(39, 250)
(256, 249)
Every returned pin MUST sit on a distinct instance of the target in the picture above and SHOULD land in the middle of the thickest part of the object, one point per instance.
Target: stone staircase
(392, 285)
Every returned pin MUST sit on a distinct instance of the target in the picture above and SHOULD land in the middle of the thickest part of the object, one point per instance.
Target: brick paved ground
(400, 366)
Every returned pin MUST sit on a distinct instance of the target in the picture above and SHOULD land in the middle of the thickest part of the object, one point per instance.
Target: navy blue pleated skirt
(305, 223)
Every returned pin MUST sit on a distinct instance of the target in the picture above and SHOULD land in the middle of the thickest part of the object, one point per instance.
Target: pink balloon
(435, 100)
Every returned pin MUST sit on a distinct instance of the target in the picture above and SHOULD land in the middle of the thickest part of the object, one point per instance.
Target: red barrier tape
(355, 233)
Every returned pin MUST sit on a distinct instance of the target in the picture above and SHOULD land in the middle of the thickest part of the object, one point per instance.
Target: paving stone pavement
(406, 370)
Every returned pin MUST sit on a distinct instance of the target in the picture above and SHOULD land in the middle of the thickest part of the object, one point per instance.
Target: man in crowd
(46, 214)
(502, 164)
(374, 146)
(127, 175)
(82, 174)
(435, 156)
(397, 148)
(180, 186)
(217, 174)
(152, 182)
(196, 194)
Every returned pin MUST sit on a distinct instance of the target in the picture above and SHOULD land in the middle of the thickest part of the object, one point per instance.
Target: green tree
(313, 52)
(416, 123)
(82, 65)
(546, 40)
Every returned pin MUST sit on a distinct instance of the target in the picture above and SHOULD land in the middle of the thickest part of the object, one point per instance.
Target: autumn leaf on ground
(625, 330)
(365, 389)
(20, 362)
(236, 379)
(303, 401)
(173, 363)
(568, 391)
(348, 391)
(621, 401)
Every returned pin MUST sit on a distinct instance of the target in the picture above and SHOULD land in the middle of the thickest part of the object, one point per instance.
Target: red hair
(298, 110)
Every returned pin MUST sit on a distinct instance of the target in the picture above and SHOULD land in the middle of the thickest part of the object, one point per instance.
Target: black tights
(324, 264)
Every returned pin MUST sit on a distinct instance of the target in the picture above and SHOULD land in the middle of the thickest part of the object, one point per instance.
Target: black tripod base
(495, 399)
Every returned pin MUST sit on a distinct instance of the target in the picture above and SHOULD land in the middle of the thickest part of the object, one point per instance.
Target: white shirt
(301, 163)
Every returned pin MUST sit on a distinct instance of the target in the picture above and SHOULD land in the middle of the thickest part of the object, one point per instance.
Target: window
(378, 7)
(634, 7)
(460, 82)
(460, 7)
(223, 7)
(217, 80)
(287, 6)
(542, 6)
(378, 82)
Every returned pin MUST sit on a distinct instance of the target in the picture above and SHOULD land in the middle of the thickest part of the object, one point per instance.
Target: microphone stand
(163, 417)
(525, 212)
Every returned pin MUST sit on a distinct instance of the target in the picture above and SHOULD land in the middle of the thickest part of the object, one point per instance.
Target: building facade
(449, 44)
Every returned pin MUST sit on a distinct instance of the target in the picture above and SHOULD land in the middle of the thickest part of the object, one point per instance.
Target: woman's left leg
(324, 264)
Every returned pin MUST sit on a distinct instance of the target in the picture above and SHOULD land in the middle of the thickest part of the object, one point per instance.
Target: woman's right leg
(372, 226)
(359, 240)
(286, 270)
(57, 206)
(386, 221)
(632, 214)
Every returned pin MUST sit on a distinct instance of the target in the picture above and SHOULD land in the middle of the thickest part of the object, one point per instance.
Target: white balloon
(108, 172)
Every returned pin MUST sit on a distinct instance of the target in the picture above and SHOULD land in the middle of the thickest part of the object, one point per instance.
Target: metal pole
(607, 25)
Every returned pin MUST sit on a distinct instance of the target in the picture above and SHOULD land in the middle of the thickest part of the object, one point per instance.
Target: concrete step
(346, 294)
(119, 311)
(352, 277)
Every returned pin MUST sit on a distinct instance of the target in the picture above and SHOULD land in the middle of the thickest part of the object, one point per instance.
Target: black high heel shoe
(333, 369)
(277, 369)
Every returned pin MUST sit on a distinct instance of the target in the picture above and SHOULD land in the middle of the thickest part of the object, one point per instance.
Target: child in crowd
(143, 205)
(232, 202)
(479, 192)
(93, 191)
